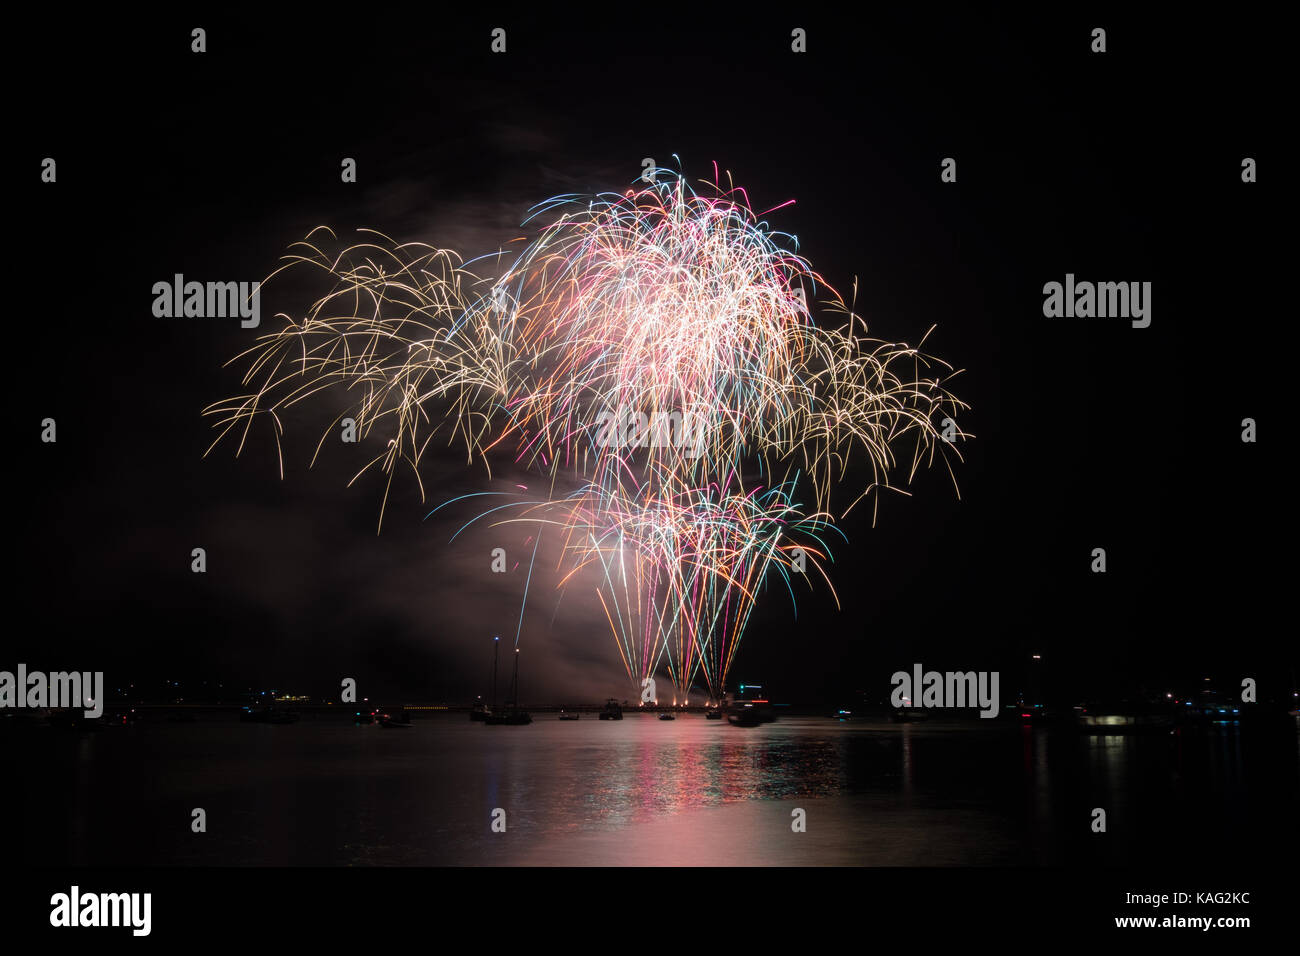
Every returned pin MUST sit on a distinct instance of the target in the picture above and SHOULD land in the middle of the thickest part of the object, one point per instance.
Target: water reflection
(642, 790)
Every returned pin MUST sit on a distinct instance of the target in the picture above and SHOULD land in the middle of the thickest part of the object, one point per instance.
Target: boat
(70, 719)
(267, 715)
(748, 708)
(1029, 714)
(611, 710)
(395, 721)
(750, 714)
(1123, 717)
(13, 717)
(513, 715)
(481, 711)
(565, 715)
(128, 718)
(714, 714)
(1109, 724)
(667, 716)
(364, 717)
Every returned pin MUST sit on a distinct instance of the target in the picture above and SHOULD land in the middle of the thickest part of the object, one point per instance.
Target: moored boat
(509, 717)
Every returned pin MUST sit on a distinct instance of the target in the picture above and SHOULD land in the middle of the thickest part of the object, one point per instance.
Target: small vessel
(267, 715)
(28, 715)
(748, 708)
(1124, 716)
(666, 716)
(1121, 723)
(395, 721)
(611, 710)
(748, 715)
(364, 717)
(714, 714)
(479, 711)
(565, 715)
(67, 718)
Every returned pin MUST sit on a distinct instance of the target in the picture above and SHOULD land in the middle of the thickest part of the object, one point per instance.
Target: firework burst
(656, 348)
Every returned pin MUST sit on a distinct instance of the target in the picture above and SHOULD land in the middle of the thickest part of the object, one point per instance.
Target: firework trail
(658, 347)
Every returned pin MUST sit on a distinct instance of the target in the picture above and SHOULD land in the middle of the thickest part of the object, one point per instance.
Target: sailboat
(512, 715)
(480, 710)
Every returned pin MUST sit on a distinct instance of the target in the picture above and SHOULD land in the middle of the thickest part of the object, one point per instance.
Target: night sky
(1116, 167)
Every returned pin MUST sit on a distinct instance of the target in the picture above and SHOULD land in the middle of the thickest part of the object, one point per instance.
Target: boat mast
(514, 684)
(496, 655)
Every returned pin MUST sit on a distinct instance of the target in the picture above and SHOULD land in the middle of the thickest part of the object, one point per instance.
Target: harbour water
(646, 792)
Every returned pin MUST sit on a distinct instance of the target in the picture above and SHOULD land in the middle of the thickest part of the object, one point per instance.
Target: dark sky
(1120, 167)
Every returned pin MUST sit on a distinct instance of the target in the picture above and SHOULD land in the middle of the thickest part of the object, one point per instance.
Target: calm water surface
(644, 791)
